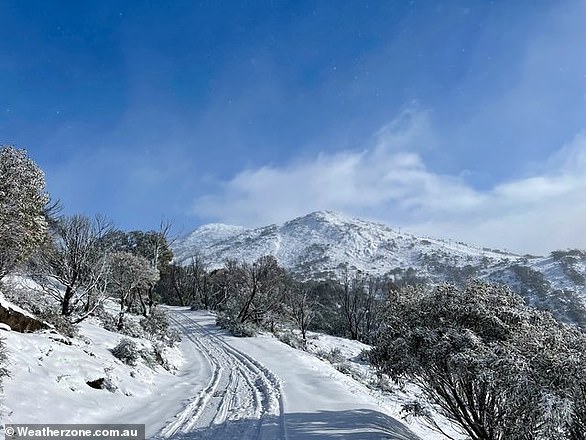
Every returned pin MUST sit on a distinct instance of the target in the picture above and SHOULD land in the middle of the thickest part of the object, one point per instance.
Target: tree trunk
(142, 305)
(66, 300)
(120, 324)
(243, 315)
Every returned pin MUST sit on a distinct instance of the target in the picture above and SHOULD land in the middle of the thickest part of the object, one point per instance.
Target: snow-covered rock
(19, 319)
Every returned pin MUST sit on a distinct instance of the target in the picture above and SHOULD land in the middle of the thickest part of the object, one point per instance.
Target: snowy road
(242, 399)
(261, 389)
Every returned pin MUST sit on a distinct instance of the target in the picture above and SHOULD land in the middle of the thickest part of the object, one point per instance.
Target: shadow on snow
(358, 424)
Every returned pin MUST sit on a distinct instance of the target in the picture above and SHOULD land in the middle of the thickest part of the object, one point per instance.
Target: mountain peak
(326, 244)
(321, 242)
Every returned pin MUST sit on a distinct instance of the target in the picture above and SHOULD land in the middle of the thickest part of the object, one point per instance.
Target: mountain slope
(326, 244)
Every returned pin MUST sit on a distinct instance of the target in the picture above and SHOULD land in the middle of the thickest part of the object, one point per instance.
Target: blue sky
(453, 119)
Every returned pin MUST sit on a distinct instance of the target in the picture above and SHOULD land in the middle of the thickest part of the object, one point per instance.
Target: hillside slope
(326, 244)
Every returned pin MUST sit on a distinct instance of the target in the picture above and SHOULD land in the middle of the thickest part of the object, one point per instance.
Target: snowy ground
(301, 397)
(225, 387)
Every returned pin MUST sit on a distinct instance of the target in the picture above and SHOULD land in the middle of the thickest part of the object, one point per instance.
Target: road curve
(242, 400)
(261, 389)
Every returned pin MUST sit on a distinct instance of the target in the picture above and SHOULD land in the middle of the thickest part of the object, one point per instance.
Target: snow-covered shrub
(156, 327)
(344, 367)
(161, 357)
(3, 361)
(364, 355)
(150, 357)
(486, 360)
(61, 323)
(127, 351)
(292, 340)
(156, 324)
(382, 382)
(24, 297)
(107, 320)
(333, 356)
(235, 327)
(154, 356)
(131, 327)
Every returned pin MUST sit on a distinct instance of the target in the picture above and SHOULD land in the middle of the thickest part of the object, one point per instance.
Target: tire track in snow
(240, 389)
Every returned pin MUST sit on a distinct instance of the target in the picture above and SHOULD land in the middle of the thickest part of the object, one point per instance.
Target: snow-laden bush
(3, 362)
(127, 351)
(344, 367)
(157, 356)
(494, 367)
(364, 355)
(61, 323)
(292, 340)
(107, 320)
(131, 327)
(236, 327)
(333, 356)
(156, 328)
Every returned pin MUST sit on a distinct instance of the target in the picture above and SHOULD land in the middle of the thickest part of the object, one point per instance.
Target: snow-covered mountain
(325, 244)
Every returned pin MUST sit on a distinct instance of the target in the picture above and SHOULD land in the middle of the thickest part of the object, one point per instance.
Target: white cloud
(390, 182)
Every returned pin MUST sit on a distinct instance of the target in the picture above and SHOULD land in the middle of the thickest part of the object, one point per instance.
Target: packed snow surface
(223, 387)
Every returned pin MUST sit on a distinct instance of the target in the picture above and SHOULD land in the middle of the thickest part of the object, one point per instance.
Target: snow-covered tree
(256, 290)
(186, 285)
(130, 277)
(358, 299)
(301, 305)
(151, 245)
(496, 368)
(22, 200)
(73, 267)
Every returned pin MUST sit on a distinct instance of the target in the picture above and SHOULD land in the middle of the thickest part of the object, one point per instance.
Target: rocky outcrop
(19, 320)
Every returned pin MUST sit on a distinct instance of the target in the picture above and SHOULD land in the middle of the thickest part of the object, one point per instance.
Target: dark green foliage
(127, 351)
(406, 277)
(151, 245)
(568, 261)
(234, 326)
(558, 255)
(531, 281)
(328, 318)
(61, 322)
(23, 225)
(189, 284)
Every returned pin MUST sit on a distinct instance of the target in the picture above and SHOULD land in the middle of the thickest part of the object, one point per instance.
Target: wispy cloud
(390, 181)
